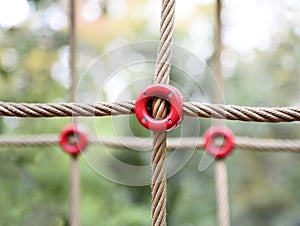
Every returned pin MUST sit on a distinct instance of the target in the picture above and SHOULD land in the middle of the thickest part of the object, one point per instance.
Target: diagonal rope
(159, 111)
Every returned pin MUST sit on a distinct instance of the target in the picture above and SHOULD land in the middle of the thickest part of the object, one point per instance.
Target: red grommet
(219, 151)
(78, 144)
(169, 93)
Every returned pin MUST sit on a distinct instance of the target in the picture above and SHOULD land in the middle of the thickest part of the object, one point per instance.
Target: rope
(75, 172)
(249, 114)
(29, 140)
(182, 143)
(65, 109)
(162, 68)
(159, 185)
(72, 44)
(267, 145)
(192, 109)
(221, 182)
(222, 193)
(178, 144)
(218, 47)
(74, 192)
(159, 111)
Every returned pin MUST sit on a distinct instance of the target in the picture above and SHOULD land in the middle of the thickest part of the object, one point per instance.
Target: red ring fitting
(81, 139)
(228, 143)
(169, 93)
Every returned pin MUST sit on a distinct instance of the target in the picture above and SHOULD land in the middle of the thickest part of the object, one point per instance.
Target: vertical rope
(75, 174)
(74, 192)
(164, 51)
(222, 193)
(221, 182)
(72, 46)
(218, 51)
(161, 75)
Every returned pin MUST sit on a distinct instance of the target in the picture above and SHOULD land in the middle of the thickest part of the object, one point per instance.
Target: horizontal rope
(193, 109)
(182, 143)
(65, 109)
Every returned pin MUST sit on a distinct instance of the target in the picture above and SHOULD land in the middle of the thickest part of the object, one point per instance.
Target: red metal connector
(73, 140)
(225, 145)
(174, 116)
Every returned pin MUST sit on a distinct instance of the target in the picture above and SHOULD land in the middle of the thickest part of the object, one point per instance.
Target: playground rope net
(159, 111)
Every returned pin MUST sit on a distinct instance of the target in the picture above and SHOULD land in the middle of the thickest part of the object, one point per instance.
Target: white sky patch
(13, 12)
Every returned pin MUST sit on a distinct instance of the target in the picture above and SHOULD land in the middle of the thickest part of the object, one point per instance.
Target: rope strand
(159, 111)
(75, 171)
(223, 210)
(178, 144)
(192, 109)
(221, 182)
(74, 192)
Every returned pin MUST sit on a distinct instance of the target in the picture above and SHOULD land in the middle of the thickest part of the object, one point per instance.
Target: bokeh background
(260, 66)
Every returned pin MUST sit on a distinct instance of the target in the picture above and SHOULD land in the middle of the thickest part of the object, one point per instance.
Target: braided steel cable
(192, 109)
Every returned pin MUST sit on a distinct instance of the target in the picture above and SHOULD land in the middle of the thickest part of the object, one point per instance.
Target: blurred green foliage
(34, 186)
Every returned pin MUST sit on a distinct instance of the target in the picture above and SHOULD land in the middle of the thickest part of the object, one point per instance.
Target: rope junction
(192, 109)
(141, 144)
